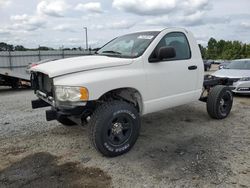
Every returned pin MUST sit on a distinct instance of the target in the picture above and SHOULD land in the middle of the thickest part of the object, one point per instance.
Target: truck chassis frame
(211, 81)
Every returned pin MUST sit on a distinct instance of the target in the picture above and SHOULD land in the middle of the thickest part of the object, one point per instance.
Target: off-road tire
(65, 121)
(217, 96)
(101, 127)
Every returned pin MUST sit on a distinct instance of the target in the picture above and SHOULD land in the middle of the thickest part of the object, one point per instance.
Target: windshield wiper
(112, 52)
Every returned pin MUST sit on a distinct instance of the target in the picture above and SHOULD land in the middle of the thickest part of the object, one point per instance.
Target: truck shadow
(41, 170)
(7, 89)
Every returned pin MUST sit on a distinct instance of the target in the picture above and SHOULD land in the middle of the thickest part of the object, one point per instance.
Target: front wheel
(114, 128)
(219, 102)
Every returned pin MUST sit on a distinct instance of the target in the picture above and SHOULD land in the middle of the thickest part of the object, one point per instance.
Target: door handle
(193, 67)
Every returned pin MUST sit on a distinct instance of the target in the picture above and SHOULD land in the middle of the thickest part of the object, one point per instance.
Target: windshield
(128, 46)
(243, 65)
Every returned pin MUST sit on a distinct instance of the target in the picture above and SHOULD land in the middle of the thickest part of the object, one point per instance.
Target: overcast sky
(60, 22)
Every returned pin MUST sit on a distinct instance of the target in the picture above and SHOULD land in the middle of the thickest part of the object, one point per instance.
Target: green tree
(45, 48)
(248, 51)
(220, 46)
(236, 50)
(19, 48)
(6, 47)
(212, 49)
(243, 52)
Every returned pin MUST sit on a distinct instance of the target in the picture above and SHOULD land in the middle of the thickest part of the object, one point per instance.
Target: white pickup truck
(132, 75)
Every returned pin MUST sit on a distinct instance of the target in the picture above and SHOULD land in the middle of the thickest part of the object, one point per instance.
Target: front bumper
(54, 113)
(242, 87)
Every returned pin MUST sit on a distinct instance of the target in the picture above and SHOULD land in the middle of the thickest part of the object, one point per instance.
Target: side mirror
(166, 53)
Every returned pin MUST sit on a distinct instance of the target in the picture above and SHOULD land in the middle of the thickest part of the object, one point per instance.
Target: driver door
(171, 82)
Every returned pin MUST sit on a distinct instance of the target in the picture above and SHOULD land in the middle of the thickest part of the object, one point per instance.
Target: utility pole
(86, 34)
(62, 51)
(39, 53)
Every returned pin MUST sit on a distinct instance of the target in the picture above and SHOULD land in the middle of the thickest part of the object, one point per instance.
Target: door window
(179, 42)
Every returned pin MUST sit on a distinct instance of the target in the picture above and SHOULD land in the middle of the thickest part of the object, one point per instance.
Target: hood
(76, 64)
(232, 73)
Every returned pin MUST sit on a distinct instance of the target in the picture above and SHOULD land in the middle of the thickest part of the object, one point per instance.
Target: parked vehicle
(239, 71)
(12, 72)
(224, 64)
(207, 65)
(130, 76)
(218, 61)
(14, 66)
(14, 77)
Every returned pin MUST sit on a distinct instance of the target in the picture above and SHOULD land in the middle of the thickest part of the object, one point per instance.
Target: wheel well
(130, 95)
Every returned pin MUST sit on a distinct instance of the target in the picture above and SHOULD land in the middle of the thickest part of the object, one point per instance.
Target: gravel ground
(178, 147)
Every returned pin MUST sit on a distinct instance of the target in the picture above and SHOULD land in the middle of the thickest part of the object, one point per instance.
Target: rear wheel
(65, 121)
(114, 128)
(219, 102)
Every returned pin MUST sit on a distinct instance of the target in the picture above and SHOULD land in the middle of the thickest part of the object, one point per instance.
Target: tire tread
(212, 101)
(95, 121)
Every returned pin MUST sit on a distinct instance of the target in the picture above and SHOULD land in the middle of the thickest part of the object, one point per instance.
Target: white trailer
(10, 77)
(13, 69)
(13, 64)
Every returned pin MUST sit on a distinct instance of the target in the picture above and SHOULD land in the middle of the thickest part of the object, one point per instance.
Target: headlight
(245, 79)
(71, 94)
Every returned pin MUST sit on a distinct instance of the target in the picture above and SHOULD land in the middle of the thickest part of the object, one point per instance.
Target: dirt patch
(13, 151)
(243, 99)
(41, 170)
(192, 158)
(245, 102)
